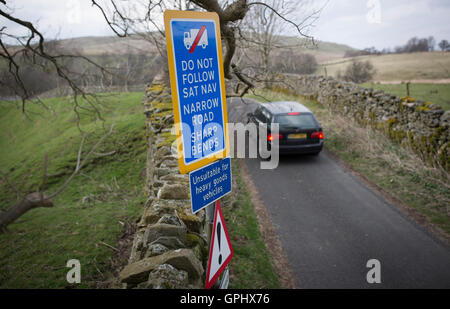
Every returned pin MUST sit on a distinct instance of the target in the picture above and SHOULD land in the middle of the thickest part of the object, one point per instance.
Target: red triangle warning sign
(220, 252)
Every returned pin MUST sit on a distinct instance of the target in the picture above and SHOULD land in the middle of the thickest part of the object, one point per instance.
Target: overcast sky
(382, 23)
(358, 23)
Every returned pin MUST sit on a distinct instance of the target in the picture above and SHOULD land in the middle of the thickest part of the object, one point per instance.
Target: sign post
(198, 94)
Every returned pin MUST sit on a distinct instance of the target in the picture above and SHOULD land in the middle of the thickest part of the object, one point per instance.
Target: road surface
(330, 225)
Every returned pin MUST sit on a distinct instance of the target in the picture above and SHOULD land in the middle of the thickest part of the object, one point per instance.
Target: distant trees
(129, 68)
(358, 72)
(444, 45)
(37, 73)
(413, 45)
(363, 52)
(418, 45)
(298, 63)
(35, 80)
(261, 42)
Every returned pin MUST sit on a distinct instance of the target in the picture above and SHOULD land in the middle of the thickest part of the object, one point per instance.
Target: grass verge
(396, 170)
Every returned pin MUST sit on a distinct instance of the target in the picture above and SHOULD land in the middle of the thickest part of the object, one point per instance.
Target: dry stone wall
(170, 248)
(420, 126)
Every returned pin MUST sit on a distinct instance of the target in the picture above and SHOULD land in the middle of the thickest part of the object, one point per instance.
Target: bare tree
(358, 72)
(33, 49)
(444, 45)
(262, 31)
(297, 63)
(144, 18)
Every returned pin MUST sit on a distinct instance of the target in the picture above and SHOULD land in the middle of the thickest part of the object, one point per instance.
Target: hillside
(94, 46)
(399, 67)
(323, 51)
(327, 51)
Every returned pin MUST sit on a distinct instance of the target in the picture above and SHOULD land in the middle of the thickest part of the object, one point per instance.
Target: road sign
(210, 183)
(221, 251)
(198, 87)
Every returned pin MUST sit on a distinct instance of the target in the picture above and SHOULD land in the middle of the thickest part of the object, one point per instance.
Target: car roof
(284, 107)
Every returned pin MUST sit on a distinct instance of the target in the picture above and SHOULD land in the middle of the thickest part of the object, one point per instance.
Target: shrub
(358, 72)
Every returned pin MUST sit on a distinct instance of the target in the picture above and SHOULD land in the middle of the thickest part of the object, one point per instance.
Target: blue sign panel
(210, 183)
(199, 88)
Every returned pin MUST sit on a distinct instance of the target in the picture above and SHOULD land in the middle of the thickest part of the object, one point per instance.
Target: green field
(438, 94)
(38, 245)
(398, 67)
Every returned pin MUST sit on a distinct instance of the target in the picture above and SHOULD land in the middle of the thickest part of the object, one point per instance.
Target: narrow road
(330, 225)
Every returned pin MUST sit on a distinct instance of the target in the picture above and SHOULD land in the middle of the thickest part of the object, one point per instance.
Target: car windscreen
(298, 121)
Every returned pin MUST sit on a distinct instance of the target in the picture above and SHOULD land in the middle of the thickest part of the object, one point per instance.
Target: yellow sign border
(168, 16)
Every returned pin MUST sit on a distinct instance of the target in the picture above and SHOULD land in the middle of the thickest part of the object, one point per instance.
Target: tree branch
(81, 164)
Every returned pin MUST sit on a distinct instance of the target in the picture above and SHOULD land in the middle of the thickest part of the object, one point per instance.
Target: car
(299, 130)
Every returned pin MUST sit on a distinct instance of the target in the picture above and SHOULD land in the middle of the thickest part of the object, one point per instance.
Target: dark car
(299, 130)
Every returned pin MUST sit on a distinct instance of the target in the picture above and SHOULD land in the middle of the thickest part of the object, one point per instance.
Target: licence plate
(297, 136)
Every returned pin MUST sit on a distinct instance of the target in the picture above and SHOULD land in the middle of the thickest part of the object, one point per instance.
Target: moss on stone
(198, 246)
(162, 105)
(408, 99)
(169, 138)
(192, 222)
(192, 240)
(162, 114)
(423, 108)
(392, 121)
(397, 135)
(156, 88)
(379, 125)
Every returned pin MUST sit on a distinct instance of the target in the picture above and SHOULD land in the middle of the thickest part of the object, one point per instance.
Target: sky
(382, 23)
(357, 23)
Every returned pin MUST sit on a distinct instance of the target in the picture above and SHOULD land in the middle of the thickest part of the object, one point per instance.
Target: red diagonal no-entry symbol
(197, 39)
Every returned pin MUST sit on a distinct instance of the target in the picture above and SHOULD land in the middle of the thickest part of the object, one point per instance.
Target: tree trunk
(31, 201)
(163, 76)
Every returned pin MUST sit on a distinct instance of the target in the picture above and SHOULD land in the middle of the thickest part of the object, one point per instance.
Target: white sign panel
(221, 251)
